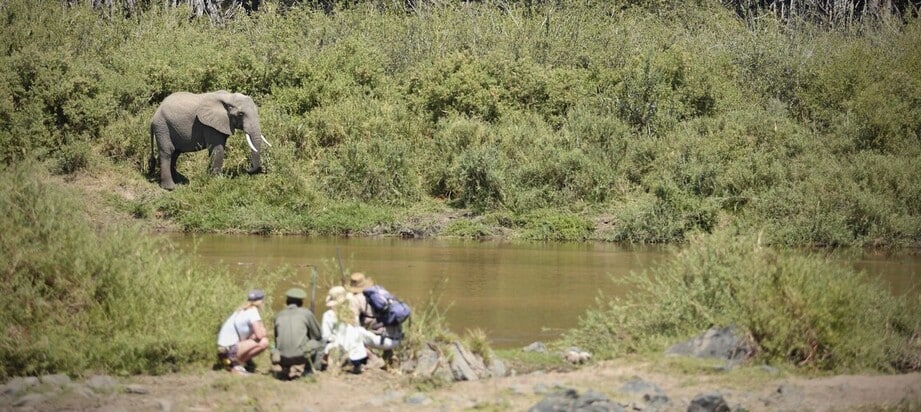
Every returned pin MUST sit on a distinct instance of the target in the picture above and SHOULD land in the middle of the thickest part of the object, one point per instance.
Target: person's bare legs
(249, 348)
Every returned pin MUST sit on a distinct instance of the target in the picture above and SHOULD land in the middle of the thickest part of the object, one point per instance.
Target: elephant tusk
(266, 141)
(249, 141)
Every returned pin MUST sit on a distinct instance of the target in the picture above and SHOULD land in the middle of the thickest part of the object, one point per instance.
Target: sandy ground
(744, 388)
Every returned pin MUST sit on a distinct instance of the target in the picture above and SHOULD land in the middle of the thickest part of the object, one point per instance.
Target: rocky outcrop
(728, 343)
(453, 362)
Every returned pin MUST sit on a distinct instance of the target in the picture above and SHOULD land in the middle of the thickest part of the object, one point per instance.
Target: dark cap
(296, 293)
(255, 294)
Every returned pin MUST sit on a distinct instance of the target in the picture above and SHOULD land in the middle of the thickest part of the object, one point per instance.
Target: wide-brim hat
(358, 282)
(335, 296)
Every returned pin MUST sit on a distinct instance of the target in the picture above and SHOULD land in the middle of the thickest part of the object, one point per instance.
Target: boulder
(709, 402)
(726, 343)
(535, 347)
(452, 362)
(570, 400)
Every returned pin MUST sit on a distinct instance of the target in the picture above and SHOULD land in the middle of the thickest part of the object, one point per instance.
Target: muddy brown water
(516, 292)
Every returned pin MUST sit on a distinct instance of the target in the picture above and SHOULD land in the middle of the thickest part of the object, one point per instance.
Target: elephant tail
(152, 160)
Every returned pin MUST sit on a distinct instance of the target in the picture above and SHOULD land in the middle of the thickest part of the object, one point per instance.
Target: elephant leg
(166, 176)
(216, 153)
(178, 177)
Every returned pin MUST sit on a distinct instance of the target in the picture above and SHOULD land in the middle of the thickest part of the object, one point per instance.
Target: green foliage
(549, 225)
(480, 181)
(467, 229)
(799, 309)
(675, 118)
(124, 303)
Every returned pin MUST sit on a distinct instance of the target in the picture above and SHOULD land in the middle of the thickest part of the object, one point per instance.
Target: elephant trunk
(254, 141)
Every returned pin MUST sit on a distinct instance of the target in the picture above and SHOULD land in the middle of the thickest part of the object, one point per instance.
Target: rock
(518, 389)
(136, 389)
(641, 387)
(656, 402)
(541, 389)
(18, 384)
(719, 343)
(496, 366)
(576, 356)
(388, 397)
(535, 347)
(165, 405)
(418, 399)
(709, 402)
(461, 369)
(426, 362)
(465, 365)
(101, 383)
(570, 400)
(56, 379)
(29, 400)
(82, 390)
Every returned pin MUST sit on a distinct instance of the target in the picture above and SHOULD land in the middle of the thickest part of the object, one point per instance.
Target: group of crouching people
(348, 329)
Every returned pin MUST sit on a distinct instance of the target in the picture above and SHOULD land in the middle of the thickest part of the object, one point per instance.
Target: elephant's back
(179, 98)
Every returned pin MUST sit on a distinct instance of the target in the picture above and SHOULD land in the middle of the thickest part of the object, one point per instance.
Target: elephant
(189, 122)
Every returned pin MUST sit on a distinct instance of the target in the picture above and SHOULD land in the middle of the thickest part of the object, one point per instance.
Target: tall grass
(79, 300)
(799, 309)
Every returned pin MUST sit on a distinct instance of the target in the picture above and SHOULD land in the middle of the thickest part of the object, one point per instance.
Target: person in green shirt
(298, 343)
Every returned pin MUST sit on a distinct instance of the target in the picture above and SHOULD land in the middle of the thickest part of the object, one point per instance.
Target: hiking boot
(250, 366)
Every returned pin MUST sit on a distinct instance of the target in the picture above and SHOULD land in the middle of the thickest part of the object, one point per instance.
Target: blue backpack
(389, 310)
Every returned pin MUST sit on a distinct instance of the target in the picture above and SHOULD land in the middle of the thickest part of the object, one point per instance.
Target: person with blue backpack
(379, 312)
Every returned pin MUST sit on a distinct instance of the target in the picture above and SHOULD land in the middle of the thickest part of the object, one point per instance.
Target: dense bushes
(78, 301)
(802, 310)
(673, 122)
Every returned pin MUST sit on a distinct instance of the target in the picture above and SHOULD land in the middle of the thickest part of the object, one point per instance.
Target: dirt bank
(754, 388)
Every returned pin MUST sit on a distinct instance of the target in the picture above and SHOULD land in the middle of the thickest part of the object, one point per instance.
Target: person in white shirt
(339, 328)
(243, 335)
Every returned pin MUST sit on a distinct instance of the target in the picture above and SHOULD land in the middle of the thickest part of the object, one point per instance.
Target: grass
(124, 303)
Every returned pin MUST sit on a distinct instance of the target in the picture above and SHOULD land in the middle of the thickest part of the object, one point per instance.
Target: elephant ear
(213, 112)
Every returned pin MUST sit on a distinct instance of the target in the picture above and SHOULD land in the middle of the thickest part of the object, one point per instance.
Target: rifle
(313, 286)
(341, 269)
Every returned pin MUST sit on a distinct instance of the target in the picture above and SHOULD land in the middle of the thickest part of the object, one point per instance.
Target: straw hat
(335, 296)
(358, 282)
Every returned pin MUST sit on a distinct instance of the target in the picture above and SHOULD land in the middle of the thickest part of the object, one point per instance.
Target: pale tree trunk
(217, 10)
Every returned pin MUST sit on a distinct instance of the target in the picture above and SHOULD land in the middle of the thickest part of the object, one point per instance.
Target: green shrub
(454, 135)
(799, 309)
(554, 226)
(459, 84)
(123, 303)
(479, 179)
(469, 229)
(374, 171)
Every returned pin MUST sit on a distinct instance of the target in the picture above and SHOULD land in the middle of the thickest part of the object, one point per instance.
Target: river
(516, 292)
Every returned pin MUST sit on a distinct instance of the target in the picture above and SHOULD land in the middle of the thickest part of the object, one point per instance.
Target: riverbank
(623, 382)
(754, 387)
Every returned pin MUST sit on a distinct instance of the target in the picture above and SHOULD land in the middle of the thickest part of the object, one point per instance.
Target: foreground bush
(799, 309)
(78, 301)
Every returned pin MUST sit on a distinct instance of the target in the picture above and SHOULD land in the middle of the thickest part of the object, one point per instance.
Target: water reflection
(516, 292)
